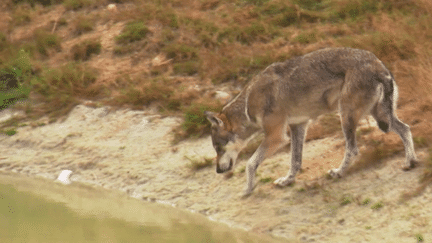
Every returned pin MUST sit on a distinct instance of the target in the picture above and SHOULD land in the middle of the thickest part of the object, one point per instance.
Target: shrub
(198, 164)
(22, 15)
(10, 132)
(306, 38)
(187, 68)
(256, 31)
(60, 87)
(133, 31)
(3, 41)
(83, 24)
(354, 9)
(287, 18)
(12, 78)
(195, 123)
(76, 4)
(45, 41)
(181, 52)
(154, 90)
(84, 50)
(42, 2)
(256, 2)
(311, 4)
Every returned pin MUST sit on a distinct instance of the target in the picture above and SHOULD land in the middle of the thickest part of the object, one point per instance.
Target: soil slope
(131, 151)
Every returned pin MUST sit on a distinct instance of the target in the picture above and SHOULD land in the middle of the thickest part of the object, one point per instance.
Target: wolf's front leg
(251, 168)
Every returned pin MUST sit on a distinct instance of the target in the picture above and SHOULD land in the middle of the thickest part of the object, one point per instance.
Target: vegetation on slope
(203, 45)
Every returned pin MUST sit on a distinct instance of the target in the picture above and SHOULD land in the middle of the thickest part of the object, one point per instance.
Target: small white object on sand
(64, 177)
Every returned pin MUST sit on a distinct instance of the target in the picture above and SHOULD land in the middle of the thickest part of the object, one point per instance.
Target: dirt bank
(131, 151)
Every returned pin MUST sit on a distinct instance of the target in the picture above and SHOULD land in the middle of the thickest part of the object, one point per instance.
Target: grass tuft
(199, 164)
(419, 237)
(133, 31)
(377, 206)
(76, 4)
(373, 155)
(266, 179)
(195, 123)
(345, 200)
(10, 132)
(46, 41)
(83, 24)
(84, 50)
(60, 87)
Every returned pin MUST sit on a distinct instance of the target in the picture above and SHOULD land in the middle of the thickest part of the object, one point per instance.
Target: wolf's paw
(247, 192)
(335, 173)
(410, 165)
(284, 181)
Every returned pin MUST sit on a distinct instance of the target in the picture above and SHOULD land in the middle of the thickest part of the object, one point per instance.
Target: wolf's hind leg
(297, 139)
(404, 133)
(349, 124)
(391, 123)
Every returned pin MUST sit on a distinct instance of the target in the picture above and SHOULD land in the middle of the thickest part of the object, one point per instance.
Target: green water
(38, 210)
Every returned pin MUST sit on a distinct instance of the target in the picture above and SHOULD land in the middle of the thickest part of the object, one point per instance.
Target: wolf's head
(227, 140)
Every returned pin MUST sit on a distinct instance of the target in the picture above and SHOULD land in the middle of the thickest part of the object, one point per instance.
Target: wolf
(291, 93)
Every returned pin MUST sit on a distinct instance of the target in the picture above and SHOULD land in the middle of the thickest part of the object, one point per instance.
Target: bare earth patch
(131, 151)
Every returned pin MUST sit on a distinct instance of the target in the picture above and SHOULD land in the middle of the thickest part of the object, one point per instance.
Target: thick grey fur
(288, 94)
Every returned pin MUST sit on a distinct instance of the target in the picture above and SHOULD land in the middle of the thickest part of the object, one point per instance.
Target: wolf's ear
(213, 119)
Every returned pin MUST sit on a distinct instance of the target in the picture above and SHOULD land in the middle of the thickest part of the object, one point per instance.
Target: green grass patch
(10, 132)
(255, 2)
(354, 9)
(345, 200)
(366, 201)
(256, 31)
(314, 5)
(187, 68)
(195, 123)
(45, 41)
(181, 52)
(133, 31)
(266, 179)
(419, 237)
(377, 206)
(76, 4)
(420, 142)
(60, 87)
(42, 2)
(14, 76)
(306, 38)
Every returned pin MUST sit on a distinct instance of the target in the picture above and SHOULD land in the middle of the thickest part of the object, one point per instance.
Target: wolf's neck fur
(236, 110)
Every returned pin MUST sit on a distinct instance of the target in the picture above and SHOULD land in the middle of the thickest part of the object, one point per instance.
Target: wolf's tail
(388, 102)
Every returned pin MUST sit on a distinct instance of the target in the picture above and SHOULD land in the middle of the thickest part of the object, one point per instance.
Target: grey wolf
(289, 94)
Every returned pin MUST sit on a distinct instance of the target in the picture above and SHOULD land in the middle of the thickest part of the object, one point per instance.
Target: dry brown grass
(223, 42)
(425, 180)
(373, 156)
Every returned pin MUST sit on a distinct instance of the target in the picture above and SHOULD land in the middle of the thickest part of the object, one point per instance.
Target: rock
(64, 177)
(112, 8)
(224, 97)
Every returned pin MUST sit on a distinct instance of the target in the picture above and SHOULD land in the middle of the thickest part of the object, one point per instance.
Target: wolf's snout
(220, 170)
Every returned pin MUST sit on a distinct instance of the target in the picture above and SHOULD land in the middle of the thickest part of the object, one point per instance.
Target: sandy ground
(131, 151)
